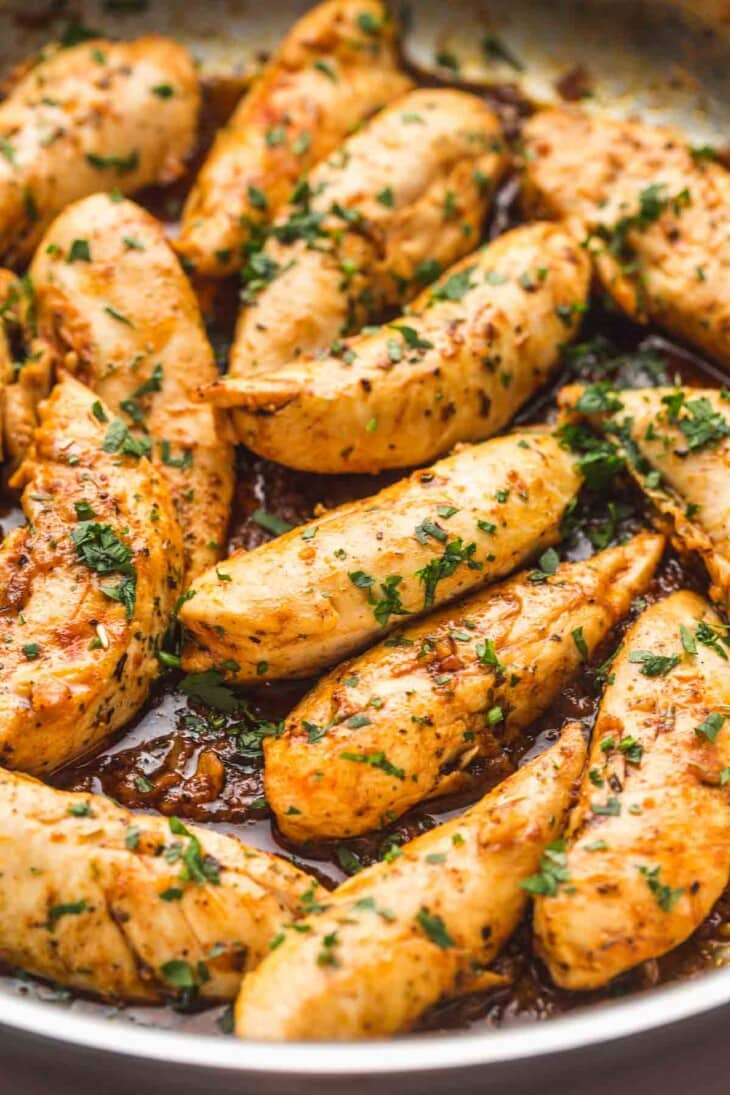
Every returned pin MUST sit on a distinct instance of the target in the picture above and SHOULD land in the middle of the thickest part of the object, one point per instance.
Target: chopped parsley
(119, 439)
(547, 565)
(184, 461)
(709, 636)
(388, 603)
(455, 553)
(68, 908)
(455, 287)
(270, 522)
(152, 384)
(487, 654)
(653, 202)
(688, 640)
(711, 726)
(79, 251)
(580, 642)
(553, 872)
(599, 398)
(654, 665)
(598, 460)
(375, 760)
(611, 807)
(196, 867)
(120, 164)
(411, 337)
(666, 897)
(99, 548)
(697, 419)
(257, 198)
(208, 687)
(434, 927)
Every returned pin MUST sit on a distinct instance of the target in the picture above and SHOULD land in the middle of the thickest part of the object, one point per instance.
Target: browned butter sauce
(180, 758)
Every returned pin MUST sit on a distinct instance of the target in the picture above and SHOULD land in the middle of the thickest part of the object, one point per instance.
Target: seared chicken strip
(322, 591)
(25, 377)
(133, 907)
(457, 367)
(398, 201)
(86, 587)
(95, 116)
(7, 368)
(115, 308)
(402, 722)
(678, 441)
(401, 935)
(648, 844)
(655, 217)
(336, 66)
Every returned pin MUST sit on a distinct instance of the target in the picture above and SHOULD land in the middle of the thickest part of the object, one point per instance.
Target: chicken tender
(392, 941)
(655, 217)
(7, 367)
(25, 378)
(92, 117)
(471, 350)
(403, 722)
(336, 66)
(401, 199)
(132, 907)
(320, 592)
(683, 435)
(648, 852)
(86, 587)
(115, 308)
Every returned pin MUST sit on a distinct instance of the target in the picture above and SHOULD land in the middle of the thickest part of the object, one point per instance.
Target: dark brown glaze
(180, 758)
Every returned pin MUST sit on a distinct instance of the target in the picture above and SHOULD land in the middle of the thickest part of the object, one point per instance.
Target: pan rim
(590, 1026)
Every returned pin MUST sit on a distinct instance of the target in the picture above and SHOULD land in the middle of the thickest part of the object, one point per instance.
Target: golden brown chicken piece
(96, 116)
(396, 203)
(678, 441)
(468, 354)
(86, 587)
(313, 596)
(25, 369)
(115, 308)
(401, 935)
(133, 907)
(336, 66)
(648, 848)
(654, 215)
(402, 722)
(7, 366)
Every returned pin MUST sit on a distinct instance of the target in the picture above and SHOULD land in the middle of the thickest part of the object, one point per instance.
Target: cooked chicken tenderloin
(655, 217)
(114, 307)
(401, 935)
(336, 67)
(134, 907)
(86, 587)
(24, 380)
(402, 722)
(322, 591)
(678, 444)
(471, 350)
(87, 118)
(401, 199)
(648, 848)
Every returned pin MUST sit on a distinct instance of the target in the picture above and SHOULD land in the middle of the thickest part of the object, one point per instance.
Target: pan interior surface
(668, 61)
